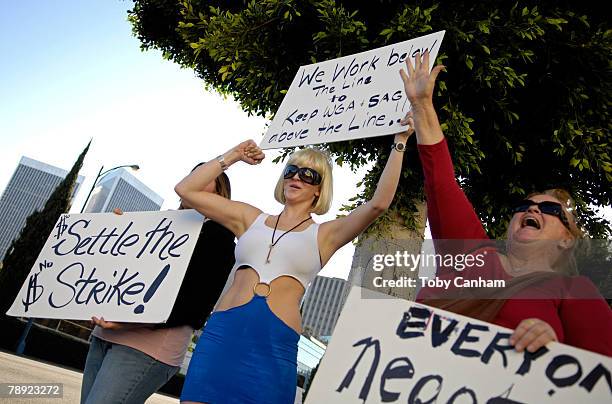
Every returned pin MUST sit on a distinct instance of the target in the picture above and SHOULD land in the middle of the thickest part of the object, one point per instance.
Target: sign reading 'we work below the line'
(122, 267)
(352, 97)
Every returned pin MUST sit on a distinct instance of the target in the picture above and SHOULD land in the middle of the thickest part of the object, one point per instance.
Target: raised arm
(336, 233)
(450, 213)
(419, 84)
(236, 216)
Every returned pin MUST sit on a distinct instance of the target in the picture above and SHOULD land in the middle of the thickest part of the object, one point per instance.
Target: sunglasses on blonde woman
(308, 175)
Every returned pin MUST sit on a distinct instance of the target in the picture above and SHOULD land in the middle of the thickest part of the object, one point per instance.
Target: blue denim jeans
(117, 374)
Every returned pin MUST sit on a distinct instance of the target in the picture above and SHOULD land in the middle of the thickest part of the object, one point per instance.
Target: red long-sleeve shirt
(581, 322)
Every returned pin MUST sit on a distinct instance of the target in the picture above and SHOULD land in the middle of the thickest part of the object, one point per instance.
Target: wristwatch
(400, 147)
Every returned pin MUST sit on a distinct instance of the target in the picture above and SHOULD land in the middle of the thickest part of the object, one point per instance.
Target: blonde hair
(569, 206)
(317, 160)
(567, 261)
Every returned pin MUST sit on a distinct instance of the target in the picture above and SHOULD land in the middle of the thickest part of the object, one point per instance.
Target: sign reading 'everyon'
(387, 350)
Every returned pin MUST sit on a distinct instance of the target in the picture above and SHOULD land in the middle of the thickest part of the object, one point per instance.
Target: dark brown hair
(222, 184)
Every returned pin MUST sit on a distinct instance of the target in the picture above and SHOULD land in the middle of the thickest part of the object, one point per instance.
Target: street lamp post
(102, 174)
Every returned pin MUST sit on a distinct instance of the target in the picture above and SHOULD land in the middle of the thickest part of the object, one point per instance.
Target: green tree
(24, 250)
(525, 102)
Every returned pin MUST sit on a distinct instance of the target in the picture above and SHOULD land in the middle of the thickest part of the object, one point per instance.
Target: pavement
(18, 369)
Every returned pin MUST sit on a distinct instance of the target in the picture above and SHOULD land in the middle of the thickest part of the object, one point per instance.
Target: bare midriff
(283, 295)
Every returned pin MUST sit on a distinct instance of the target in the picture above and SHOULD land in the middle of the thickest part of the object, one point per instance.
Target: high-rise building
(322, 304)
(120, 189)
(28, 190)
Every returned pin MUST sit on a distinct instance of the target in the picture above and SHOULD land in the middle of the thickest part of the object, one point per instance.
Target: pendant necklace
(273, 243)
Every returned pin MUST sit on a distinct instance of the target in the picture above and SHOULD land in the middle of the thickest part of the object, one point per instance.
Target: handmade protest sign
(387, 350)
(351, 97)
(121, 267)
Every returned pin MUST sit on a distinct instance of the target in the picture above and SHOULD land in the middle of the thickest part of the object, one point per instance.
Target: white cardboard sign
(351, 97)
(123, 267)
(388, 350)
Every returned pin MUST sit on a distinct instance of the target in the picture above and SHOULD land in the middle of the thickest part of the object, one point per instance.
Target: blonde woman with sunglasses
(248, 351)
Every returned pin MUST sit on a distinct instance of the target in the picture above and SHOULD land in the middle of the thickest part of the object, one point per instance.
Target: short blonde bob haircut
(317, 160)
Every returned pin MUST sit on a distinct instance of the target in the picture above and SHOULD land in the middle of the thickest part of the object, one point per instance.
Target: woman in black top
(128, 362)
(209, 268)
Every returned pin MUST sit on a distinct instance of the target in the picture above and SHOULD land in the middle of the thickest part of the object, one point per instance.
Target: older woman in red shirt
(539, 302)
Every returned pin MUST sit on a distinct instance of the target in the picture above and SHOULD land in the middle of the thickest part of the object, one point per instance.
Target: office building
(322, 305)
(120, 189)
(28, 190)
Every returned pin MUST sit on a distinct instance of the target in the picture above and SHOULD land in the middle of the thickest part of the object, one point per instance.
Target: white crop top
(296, 254)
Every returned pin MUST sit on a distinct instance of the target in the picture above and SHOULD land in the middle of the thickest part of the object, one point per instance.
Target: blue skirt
(246, 354)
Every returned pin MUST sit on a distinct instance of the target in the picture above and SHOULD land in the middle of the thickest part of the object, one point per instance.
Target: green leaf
(469, 63)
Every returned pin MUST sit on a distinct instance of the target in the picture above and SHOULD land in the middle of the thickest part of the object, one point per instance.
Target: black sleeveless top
(208, 270)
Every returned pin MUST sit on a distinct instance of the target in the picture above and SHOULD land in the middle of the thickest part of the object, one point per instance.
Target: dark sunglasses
(546, 207)
(308, 175)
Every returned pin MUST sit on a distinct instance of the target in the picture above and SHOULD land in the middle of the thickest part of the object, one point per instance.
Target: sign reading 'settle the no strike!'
(351, 97)
(121, 267)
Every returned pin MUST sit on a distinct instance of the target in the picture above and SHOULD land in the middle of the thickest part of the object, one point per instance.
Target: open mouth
(530, 221)
(295, 186)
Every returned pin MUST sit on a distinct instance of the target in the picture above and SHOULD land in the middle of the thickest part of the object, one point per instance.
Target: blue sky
(63, 52)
